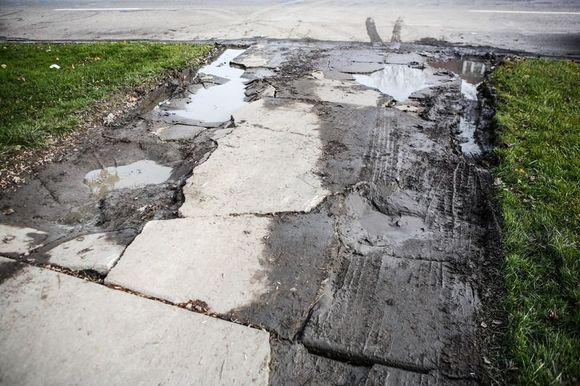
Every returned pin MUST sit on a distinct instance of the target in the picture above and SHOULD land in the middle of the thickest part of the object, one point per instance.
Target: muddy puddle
(472, 73)
(398, 81)
(135, 175)
(220, 93)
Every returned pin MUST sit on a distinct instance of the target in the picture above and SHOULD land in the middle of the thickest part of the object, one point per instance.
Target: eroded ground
(326, 207)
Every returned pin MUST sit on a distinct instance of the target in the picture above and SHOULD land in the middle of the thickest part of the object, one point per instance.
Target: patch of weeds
(538, 122)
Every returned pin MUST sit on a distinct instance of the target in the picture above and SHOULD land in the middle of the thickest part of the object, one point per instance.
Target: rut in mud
(336, 196)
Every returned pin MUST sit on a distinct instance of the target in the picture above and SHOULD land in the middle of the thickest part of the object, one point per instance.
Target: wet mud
(412, 211)
(386, 278)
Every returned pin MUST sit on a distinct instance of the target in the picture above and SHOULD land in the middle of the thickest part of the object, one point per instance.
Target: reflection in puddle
(469, 90)
(469, 70)
(467, 142)
(216, 103)
(137, 174)
(398, 81)
(468, 120)
(471, 73)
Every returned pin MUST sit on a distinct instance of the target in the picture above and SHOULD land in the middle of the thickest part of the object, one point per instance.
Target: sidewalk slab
(256, 170)
(57, 329)
(19, 240)
(216, 260)
(98, 251)
(332, 91)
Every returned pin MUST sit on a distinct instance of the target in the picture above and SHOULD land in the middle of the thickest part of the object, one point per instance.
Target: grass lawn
(539, 193)
(37, 102)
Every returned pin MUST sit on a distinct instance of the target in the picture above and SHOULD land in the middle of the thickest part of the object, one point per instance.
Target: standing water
(216, 102)
(398, 81)
(471, 74)
(137, 174)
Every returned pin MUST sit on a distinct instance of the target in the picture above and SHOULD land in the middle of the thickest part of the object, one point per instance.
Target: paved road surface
(547, 27)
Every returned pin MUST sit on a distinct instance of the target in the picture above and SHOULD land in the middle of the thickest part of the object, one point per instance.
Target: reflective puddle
(398, 81)
(471, 73)
(469, 70)
(221, 95)
(135, 175)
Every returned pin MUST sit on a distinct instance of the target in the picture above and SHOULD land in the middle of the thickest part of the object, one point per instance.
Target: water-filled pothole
(137, 174)
(221, 93)
(398, 81)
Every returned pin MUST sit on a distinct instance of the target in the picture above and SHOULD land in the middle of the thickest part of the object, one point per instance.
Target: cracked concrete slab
(255, 168)
(16, 240)
(216, 260)
(407, 313)
(58, 329)
(98, 251)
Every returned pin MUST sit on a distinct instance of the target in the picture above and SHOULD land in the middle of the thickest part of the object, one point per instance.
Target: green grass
(37, 102)
(539, 194)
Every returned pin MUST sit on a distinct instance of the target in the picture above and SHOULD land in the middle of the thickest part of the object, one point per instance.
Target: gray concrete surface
(213, 259)
(255, 168)
(547, 27)
(97, 252)
(19, 240)
(57, 329)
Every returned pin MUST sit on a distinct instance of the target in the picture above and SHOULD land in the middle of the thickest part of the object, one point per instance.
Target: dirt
(393, 274)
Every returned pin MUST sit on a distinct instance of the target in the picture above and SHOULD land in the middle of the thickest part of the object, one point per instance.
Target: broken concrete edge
(87, 274)
(196, 306)
(28, 162)
(430, 44)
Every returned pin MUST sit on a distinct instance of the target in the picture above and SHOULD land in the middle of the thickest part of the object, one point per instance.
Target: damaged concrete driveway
(298, 213)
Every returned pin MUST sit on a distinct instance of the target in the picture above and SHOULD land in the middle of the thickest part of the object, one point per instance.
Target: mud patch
(9, 269)
(408, 314)
(292, 364)
(297, 254)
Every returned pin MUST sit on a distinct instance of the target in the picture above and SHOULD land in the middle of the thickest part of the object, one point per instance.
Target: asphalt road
(546, 27)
